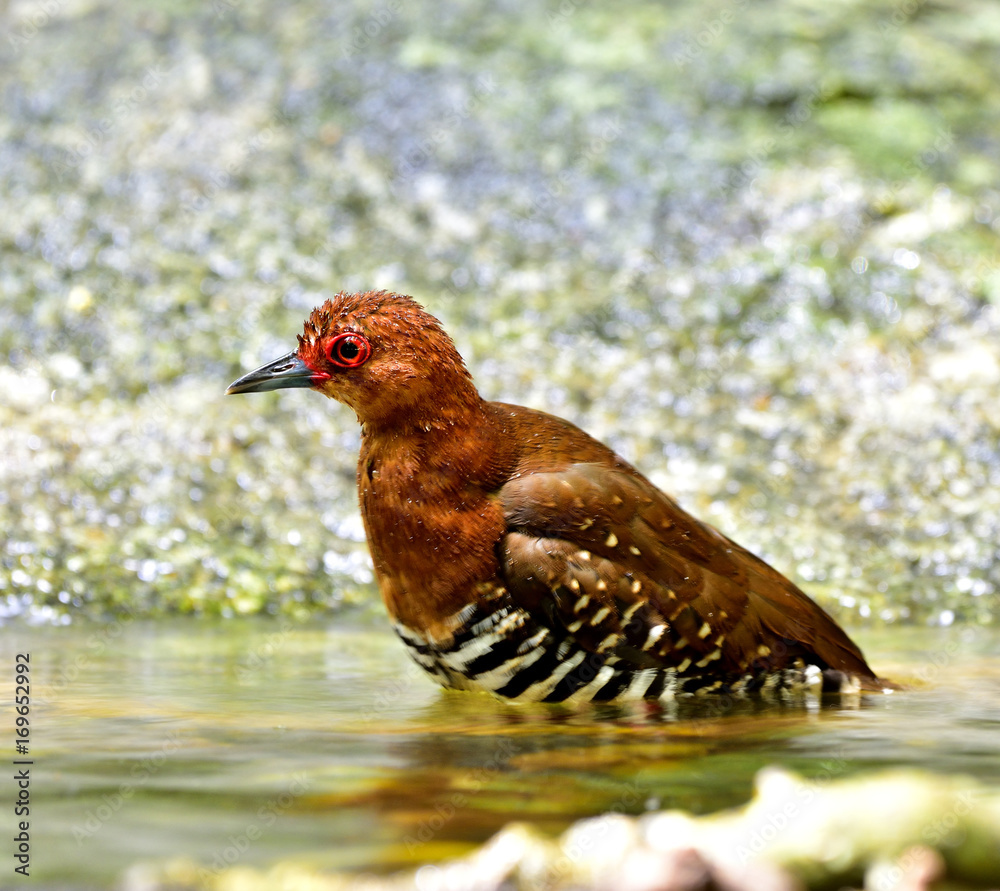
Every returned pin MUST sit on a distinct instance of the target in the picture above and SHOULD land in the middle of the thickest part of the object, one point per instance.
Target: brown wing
(627, 571)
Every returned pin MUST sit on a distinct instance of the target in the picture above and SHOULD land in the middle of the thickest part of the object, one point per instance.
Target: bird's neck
(426, 492)
(420, 404)
(415, 423)
(434, 449)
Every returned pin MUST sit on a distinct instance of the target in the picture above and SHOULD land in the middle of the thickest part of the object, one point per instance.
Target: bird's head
(380, 353)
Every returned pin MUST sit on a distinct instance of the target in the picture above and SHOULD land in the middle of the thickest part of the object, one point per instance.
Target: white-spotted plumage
(517, 554)
(655, 633)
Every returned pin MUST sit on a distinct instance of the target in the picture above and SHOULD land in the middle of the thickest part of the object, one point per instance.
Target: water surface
(251, 742)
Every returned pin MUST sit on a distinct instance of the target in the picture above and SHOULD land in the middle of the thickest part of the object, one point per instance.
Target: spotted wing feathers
(626, 571)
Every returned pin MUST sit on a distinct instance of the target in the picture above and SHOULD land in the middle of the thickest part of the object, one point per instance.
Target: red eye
(349, 350)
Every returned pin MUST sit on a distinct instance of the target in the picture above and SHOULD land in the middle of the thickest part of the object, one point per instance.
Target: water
(255, 742)
(740, 254)
(777, 246)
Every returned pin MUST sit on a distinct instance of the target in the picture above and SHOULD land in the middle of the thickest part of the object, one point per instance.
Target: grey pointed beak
(284, 373)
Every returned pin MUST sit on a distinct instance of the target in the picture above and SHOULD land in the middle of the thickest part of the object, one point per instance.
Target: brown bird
(518, 555)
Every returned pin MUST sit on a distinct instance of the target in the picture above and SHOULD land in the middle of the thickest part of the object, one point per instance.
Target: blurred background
(753, 246)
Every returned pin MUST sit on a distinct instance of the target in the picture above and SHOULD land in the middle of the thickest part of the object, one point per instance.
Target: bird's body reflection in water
(471, 764)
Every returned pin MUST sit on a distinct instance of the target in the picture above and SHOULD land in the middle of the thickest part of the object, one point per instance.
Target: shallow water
(252, 742)
(761, 260)
(776, 243)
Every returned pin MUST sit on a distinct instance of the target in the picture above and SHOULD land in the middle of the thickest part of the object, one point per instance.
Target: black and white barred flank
(498, 647)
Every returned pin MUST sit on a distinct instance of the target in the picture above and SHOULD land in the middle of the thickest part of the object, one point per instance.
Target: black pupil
(349, 350)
